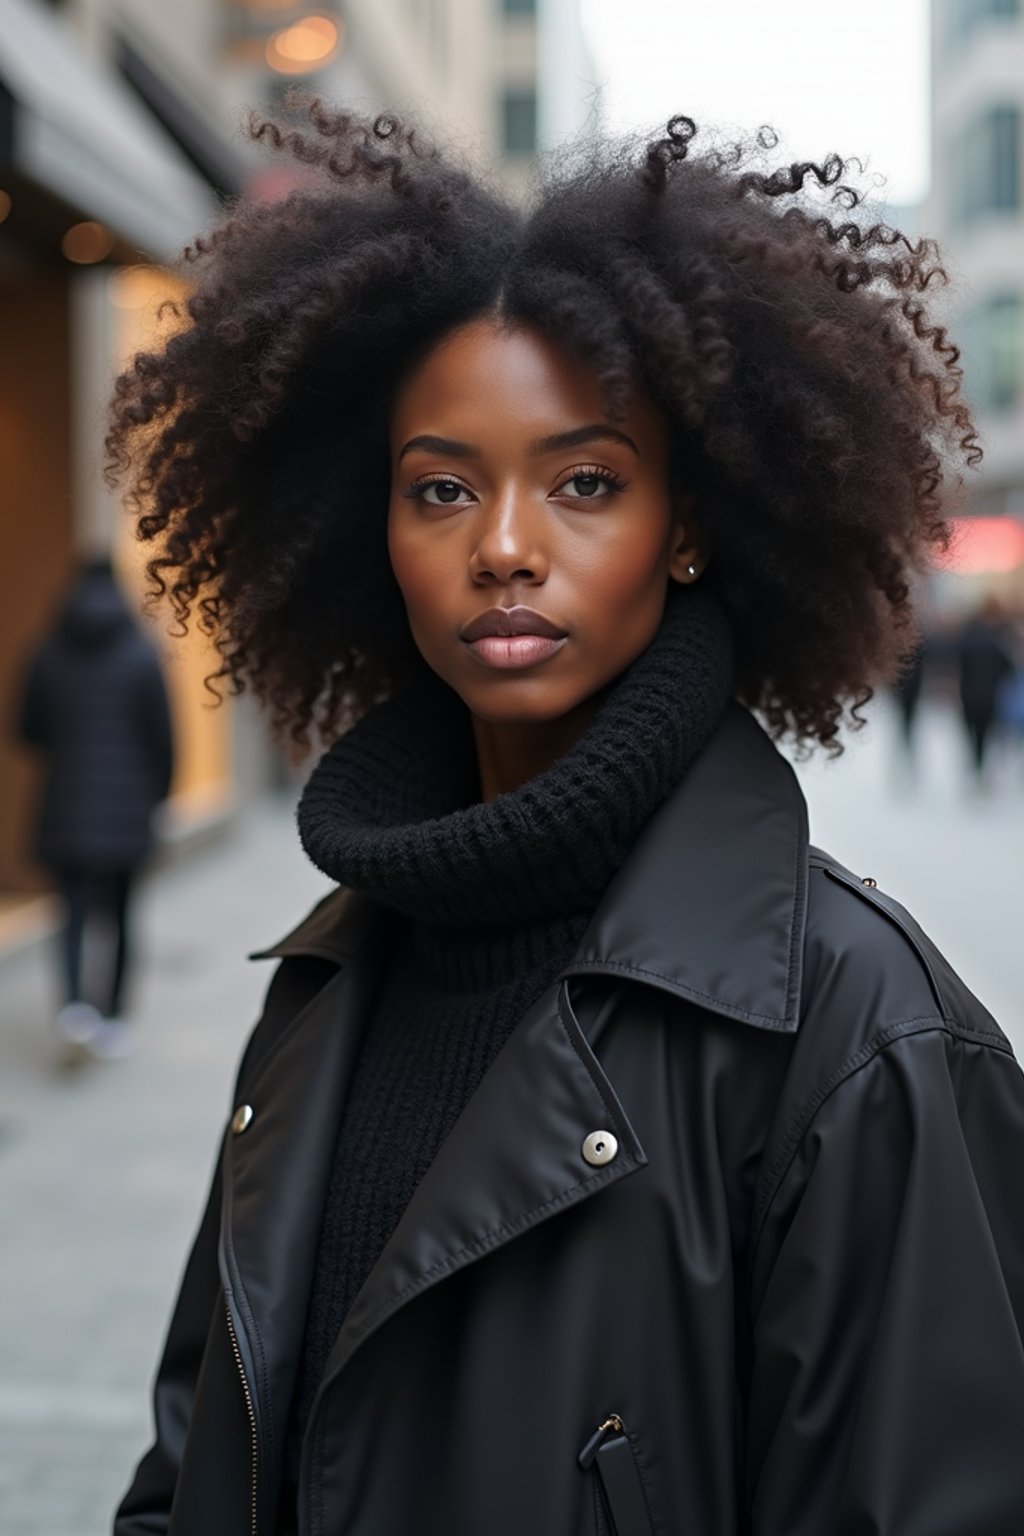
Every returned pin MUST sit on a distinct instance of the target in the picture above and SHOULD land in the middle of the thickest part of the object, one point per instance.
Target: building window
(1005, 141)
(966, 15)
(519, 7)
(993, 346)
(985, 166)
(519, 132)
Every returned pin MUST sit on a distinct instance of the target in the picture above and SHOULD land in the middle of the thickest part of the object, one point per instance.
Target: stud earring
(691, 571)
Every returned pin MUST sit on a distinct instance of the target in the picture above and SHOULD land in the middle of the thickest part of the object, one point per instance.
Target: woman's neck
(510, 753)
(394, 808)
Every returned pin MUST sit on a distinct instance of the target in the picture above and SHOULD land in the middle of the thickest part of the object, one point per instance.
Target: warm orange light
(87, 242)
(5, 205)
(148, 305)
(304, 46)
(136, 287)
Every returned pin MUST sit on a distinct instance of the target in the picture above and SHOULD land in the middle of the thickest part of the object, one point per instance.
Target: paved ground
(101, 1173)
(953, 856)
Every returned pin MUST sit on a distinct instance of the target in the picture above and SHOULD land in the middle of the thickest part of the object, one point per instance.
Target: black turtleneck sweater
(488, 904)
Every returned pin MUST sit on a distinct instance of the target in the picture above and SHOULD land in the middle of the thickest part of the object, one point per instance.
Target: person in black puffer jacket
(95, 705)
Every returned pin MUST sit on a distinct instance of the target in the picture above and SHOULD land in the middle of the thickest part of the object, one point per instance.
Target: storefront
(94, 197)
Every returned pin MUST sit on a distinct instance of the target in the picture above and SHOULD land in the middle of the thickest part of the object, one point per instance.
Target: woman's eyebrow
(451, 446)
(444, 445)
(579, 435)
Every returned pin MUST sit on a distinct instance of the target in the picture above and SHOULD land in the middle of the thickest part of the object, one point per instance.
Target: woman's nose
(509, 546)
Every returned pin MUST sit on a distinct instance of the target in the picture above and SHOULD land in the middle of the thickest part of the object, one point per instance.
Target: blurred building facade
(120, 137)
(977, 210)
(501, 79)
(91, 183)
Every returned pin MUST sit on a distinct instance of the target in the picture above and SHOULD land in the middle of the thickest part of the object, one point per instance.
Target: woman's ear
(687, 557)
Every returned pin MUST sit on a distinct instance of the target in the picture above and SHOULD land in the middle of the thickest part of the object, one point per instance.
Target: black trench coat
(788, 1279)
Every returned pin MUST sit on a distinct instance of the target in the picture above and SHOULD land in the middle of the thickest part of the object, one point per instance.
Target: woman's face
(532, 538)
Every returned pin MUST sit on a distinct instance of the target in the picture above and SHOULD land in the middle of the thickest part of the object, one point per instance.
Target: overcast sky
(829, 74)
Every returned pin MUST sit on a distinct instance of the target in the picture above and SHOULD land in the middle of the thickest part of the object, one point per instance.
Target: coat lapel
(513, 1159)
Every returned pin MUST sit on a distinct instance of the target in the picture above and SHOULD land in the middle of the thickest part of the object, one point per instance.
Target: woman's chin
(523, 704)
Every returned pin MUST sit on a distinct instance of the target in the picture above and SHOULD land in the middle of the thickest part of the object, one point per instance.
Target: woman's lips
(512, 637)
(510, 651)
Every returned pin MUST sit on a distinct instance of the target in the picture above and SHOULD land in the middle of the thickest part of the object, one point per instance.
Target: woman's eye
(588, 485)
(442, 493)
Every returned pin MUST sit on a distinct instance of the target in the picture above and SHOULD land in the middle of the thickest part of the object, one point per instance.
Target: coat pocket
(620, 1502)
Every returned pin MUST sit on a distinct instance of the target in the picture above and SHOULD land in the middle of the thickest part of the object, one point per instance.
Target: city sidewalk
(952, 856)
(102, 1172)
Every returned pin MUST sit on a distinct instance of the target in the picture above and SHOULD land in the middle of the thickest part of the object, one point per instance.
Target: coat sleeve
(145, 1509)
(887, 1375)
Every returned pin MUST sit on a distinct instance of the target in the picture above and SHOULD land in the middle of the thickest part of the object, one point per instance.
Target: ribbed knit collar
(393, 808)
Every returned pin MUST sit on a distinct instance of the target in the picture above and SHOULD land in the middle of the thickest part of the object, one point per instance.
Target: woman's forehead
(489, 378)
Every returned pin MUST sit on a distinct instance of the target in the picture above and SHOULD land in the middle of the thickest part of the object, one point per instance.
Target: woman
(605, 1159)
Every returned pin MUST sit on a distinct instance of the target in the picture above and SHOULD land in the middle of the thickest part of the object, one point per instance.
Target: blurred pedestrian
(1011, 694)
(986, 665)
(906, 692)
(94, 705)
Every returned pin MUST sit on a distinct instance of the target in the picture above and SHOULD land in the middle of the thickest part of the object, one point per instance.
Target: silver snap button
(869, 882)
(599, 1148)
(241, 1119)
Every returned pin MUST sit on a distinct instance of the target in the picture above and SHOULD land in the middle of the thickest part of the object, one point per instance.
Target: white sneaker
(75, 1028)
(76, 1023)
(112, 1041)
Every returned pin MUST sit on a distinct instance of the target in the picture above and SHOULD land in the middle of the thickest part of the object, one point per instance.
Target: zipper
(610, 1452)
(597, 1439)
(251, 1410)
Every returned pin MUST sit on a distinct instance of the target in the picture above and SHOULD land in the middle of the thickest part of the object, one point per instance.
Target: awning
(200, 140)
(76, 129)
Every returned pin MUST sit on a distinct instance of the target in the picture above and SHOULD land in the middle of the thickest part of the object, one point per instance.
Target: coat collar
(710, 905)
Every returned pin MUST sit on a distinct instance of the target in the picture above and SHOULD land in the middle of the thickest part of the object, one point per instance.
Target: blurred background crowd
(120, 137)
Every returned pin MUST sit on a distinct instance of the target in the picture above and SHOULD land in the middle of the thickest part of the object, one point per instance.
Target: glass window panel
(993, 350)
(520, 122)
(1006, 334)
(985, 166)
(963, 16)
(1005, 135)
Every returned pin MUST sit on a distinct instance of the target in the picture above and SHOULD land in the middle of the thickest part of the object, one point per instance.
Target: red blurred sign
(983, 546)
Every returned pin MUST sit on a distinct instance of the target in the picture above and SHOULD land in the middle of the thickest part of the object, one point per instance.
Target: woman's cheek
(413, 567)
(625, 567)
